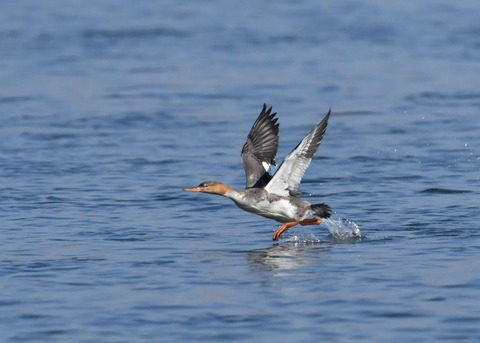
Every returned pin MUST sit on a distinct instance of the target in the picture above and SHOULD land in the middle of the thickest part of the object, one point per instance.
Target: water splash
(343, 229)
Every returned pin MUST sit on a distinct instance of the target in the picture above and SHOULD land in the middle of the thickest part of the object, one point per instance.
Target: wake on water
(341, 230)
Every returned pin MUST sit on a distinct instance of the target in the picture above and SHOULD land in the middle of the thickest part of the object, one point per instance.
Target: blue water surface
(109, 108)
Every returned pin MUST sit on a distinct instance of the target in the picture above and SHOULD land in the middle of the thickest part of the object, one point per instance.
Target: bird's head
(211, 187)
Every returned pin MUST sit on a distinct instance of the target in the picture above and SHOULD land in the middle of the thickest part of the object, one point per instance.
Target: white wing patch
(266, 165)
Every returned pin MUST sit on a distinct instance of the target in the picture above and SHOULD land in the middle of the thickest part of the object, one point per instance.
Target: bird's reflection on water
(302, 250)
(285, 257)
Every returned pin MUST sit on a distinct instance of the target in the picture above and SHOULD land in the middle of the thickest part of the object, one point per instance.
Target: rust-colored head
(211, 187)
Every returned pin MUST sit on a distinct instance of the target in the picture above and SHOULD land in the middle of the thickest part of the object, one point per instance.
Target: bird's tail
(321, 210)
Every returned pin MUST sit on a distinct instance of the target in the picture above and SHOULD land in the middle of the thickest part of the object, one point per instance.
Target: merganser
(274, 197)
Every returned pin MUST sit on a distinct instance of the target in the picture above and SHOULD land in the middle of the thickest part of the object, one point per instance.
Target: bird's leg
(286, 226)
(282, 229)
(312, 221)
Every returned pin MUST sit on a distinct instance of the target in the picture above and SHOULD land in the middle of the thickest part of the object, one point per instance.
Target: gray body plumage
(280, 208)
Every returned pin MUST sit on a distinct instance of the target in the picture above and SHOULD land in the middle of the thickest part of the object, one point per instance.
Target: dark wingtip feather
(261, 145)
(320, 130)
(324, 121)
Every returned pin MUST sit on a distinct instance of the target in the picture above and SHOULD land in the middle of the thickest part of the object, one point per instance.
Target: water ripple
(444, 191)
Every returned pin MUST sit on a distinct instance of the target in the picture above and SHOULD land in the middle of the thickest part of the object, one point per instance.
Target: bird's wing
(259, 150)
(286, 180)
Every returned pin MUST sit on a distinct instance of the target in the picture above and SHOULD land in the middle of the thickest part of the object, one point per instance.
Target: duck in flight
(274, 197)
